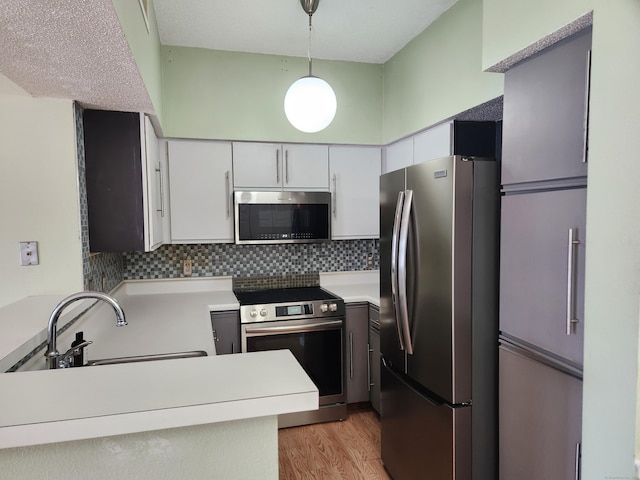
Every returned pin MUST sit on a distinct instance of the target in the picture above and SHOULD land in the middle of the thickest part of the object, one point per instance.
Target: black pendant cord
(309, 45)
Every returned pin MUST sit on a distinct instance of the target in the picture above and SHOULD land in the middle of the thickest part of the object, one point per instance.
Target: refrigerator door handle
(571, 279)
(402, 270)
(394, 265)
(577, 473)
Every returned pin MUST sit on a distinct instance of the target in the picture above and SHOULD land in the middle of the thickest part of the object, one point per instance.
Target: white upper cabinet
(155, 188)
(435, 142)
(398, 155)
(200, 193)
(276, 166)
(355, 173)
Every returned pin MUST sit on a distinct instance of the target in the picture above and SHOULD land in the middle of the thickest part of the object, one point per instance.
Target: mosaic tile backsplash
(253, 260)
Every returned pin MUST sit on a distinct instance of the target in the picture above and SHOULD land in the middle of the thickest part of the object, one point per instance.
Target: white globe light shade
(310, 104)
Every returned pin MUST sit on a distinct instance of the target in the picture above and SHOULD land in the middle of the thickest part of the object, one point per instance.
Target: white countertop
(164, 316)
(353, 287)
(72, 404)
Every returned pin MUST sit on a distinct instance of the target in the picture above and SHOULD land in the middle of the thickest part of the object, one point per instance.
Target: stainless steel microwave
(282, 217)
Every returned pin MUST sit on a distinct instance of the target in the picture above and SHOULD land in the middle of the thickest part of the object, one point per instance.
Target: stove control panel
(272, 312)
(292, 310)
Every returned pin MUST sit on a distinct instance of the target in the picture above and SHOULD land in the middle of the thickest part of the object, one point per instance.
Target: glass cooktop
(283, 295)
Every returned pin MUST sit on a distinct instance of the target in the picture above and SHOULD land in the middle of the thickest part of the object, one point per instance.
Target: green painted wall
(613, 245)
(438, 74)
(145, 47)
(511, 25)
(240, 96)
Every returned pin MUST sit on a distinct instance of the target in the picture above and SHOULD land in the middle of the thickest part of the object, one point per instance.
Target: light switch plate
(29, 253)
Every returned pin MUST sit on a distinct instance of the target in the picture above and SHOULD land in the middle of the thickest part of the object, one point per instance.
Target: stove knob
(253, 313)
(324, 307)
(333, 307)
(263, 312)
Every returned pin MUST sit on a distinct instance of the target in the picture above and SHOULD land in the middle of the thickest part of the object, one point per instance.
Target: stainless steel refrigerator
(438, 314)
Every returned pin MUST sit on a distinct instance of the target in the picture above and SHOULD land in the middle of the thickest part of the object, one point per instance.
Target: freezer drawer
(539, 420)
(421, 439)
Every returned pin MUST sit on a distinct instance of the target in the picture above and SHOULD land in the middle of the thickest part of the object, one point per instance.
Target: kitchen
(492, 31)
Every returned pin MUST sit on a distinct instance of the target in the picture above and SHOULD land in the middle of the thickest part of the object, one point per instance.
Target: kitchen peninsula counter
(116, 420)
(80, 403)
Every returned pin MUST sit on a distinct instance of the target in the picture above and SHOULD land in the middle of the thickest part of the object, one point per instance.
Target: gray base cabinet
(540, 420)
(357, 352)
(226, 332)
(374, 357)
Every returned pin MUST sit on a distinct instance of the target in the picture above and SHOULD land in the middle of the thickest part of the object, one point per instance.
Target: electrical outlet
(187, 267)
(29, 253)
(370, 260)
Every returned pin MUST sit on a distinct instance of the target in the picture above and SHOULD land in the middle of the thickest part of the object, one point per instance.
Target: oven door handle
(294, 328)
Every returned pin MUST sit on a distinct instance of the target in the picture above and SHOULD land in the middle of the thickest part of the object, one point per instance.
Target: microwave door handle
(403, 243)
(394, 265)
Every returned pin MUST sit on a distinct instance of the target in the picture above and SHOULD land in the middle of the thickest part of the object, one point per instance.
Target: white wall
(243, 449)
(38, 195)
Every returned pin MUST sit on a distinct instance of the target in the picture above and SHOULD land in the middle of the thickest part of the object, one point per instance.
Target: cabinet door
(226, 332)
(398, 155)
(535, 272)
(306, 167)
(355, 191)
(200, 192)
(540, 418)
(116, 180)
(545, 114)
(374, 361)
(257, 165)
(357, 333)
(434, 142)
(155, 188)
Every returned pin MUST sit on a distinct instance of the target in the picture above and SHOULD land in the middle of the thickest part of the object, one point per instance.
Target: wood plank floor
(348, 450)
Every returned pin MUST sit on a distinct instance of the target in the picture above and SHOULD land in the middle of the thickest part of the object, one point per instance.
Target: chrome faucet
(52, 355)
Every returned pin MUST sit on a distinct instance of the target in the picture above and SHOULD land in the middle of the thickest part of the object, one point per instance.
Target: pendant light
(310, 103)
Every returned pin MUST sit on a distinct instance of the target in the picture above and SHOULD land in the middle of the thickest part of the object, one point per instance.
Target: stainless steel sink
(148, 358)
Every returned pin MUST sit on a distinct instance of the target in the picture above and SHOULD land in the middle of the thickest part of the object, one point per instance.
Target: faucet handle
(64, 360)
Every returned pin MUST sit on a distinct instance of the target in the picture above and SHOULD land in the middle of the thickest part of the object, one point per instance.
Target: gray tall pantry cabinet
(543, 232)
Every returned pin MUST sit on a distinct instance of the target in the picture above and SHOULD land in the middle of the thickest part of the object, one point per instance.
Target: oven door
(318, 344)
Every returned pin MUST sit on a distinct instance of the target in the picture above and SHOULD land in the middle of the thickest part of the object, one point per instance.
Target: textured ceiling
(354, 30)
(76, 49)
(70, 49)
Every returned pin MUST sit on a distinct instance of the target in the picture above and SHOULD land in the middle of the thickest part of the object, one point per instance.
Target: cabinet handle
(227, 192)
(350, 354)
(577, 473)
(278, 166)
(286, 166)
(587, 96)
(571, 280)
(159, 171)
(369, 366)
(215, 336)
(335, 195)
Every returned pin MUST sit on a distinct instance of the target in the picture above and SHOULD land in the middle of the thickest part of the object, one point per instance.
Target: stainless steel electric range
(309, 321)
